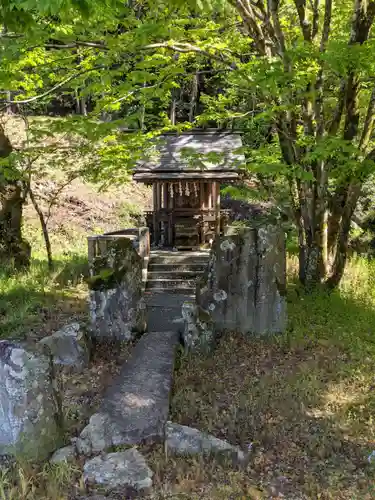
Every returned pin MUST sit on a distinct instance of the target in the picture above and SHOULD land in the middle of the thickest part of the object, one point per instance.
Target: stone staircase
(171, 280)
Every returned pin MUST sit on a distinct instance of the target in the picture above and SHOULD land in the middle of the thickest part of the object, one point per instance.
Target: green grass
(38, 301)
(48, 483)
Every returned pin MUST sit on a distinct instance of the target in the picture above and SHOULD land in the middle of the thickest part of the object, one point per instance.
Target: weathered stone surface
(68, 347)
(29, 403)
(198, 333)
(183, 440)
(117, 310)
(244, 287)
(135, 408)
(115, 471)
(101, 433)
(66, 454)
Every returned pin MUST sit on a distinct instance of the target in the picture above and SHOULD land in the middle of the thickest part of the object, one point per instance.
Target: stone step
(172, 258)
(177, 268)
(183, 289)
(136, 406)
(171, 283)
(165, 273)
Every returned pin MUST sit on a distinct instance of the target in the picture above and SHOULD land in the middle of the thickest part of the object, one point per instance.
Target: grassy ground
(302, 404)
(37, 302)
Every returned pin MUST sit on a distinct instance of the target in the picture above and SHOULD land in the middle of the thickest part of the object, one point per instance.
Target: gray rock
(100, 434)
(244, 287)
(119, 470)
(198, 328)
(29, 404)
(66, 454)
(68, 347)
(136, 406)
(183, 440)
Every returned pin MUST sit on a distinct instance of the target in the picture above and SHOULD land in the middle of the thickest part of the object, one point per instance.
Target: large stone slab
(135, 408)
(119, 471)
(30, 412)
(183, 440)
(244, 286)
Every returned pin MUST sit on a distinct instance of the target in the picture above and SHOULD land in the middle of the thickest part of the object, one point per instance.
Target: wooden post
(202, 207)
(217, 206)
(170, 215)
(210, 192)
(158, 205)
(165, 208)
(154, 215)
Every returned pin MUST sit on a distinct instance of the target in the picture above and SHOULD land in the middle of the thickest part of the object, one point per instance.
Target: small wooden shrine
(186, 172)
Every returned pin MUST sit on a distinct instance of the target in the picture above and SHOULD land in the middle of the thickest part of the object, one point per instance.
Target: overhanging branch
(56, 87)
(185, 48)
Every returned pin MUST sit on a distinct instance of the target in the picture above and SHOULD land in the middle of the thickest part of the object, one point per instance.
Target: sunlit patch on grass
(303, 400)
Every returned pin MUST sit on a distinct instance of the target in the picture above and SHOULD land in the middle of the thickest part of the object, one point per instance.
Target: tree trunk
(43, 224)
(14, 250)
(341, 251)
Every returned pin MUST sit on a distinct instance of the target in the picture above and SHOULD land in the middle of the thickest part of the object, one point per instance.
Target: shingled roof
(198, 154)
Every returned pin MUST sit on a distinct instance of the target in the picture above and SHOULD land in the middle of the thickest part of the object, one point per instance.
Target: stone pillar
(244, 286)
(117, 309)
(31, 420)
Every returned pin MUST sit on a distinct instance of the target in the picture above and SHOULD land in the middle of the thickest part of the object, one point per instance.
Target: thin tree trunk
(339, 262)
(43, 224)
(194, 98)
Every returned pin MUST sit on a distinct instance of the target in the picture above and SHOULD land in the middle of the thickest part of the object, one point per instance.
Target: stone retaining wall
(117, 265)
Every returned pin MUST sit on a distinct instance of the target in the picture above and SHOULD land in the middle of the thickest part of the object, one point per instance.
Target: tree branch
(246, 11)
(315, 22)
(43, 224)
(56, 87)
(185, 48)
(368, 126)
(304, 24)
(73, 45)
(326, 25)
(274, 8)
(318, 105)
(337, 114)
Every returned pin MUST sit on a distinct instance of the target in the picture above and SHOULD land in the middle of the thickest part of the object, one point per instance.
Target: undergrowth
(302, 403)
(40, 300)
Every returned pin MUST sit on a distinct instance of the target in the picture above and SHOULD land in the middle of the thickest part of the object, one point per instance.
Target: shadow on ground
(303, 404)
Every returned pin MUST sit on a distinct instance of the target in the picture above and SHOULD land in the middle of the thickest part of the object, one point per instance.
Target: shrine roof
(198, 154)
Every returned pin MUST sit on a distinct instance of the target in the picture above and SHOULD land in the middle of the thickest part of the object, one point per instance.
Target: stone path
(136, 406)
(135, 409)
